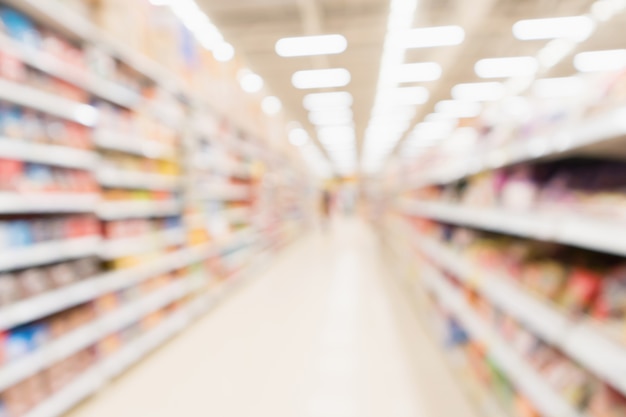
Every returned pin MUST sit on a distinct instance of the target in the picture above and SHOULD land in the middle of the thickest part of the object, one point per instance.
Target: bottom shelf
(100, 374)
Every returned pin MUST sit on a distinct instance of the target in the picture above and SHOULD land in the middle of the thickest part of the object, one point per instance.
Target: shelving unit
(433, 204)
(566, 228)
(175, 237)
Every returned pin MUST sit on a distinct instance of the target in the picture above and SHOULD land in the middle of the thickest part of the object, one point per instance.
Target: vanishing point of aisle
(322, 332)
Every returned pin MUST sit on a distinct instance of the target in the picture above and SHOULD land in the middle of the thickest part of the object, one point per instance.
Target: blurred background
(313, 208)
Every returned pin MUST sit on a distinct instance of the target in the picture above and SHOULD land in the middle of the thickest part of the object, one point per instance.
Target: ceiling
(254, 26)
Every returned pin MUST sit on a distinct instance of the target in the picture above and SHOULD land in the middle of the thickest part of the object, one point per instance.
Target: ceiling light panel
(402, 96)
(325, 78)
(418, 72)
(506, 67)
(271, 105)
(487, 91)
(330, 118)
(458, 108)
(311, 45)
(432, 37)
(558, 87)
(598, 61)
(321, 101)
(577, 28)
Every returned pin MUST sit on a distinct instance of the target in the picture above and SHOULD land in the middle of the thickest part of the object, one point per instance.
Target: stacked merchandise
(519, 244)
(100, 262)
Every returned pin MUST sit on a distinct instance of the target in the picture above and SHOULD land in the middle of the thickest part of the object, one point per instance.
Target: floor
(323, 332)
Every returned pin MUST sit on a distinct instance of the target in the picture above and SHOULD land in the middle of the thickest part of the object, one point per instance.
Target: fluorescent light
(325, 78)
(418, 72)
(458, 108)
(432, 37)
(298, 137)
(403, 96)
(223, 52)
(311, 45)
(250, 82)
(324, 118)
(271, 105)
(596, 61)
(336, 134)
(604, 10)
(487, 91)
(440, 117)
(319, 101)
(555, 51)
(558, 87)
(506, 67)
(577, 28)
(432, 130)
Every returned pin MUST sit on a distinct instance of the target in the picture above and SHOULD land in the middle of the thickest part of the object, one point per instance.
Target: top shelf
(602, 135)
(58, 16)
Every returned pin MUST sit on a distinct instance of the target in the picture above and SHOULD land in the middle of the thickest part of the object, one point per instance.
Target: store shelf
(89, 382)
(64, 298)
(114, 210)
(89, 334)
(55, 67)
(238, 214)
(226, 193)
(51, 104)
(55, 155)
(583, 340)
(129, 143)
(48, 252)
(570, 229)
(14, 203)
(57, 15)
(548, 402)
(137, 180)
(118, 248)
(602, 135)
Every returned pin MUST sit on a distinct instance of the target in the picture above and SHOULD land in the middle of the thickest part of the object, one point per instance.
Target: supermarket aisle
(322, 333)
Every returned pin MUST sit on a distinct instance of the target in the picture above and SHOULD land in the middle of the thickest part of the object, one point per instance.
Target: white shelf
(62, 156)
(63, 298)
(584, 341)
(137, 180)
(544, 397)
(238, 214)
(81, 78)
(89, 334)
(12, 203)
(115, 210)
(122, 142)
(89, 382)
(54, 105)
(226, 192)
(600, 135)
(570, 229)
(48, 252)
(118, 248)
(61, 17)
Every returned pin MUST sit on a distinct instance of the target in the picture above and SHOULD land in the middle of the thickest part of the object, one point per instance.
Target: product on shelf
(23, 177)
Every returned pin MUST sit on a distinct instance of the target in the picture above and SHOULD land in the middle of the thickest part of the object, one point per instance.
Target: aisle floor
(322, 332)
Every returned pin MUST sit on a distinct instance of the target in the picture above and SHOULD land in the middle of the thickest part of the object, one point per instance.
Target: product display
(111, 243)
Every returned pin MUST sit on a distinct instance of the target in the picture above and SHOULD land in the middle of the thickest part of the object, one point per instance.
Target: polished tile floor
(322, 332)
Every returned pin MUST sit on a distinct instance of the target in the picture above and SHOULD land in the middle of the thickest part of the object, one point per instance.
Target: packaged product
(607, 402)
(547, 278)
(583, 286)
(611, 302)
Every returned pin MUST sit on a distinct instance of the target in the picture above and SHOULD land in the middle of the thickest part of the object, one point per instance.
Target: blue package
(20, 27)
(19, 342)
(20, 233)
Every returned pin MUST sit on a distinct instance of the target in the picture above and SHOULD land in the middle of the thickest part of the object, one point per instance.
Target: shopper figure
(326, 203)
